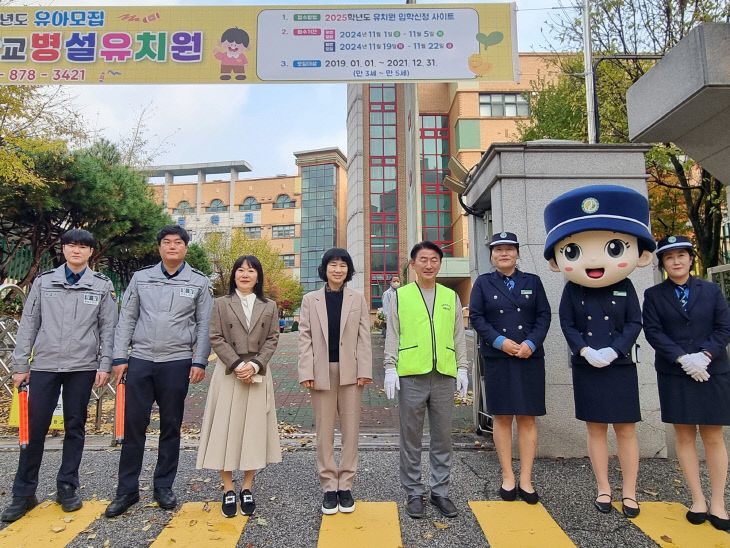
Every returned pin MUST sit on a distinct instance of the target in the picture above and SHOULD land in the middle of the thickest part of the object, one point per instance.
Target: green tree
(278, 285)
(197, 257)
(630, 28)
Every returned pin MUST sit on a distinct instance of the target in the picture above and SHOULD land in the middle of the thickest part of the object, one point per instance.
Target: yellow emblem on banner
(14, 417)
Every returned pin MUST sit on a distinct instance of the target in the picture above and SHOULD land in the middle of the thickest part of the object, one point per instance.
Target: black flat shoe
(603, 507)
(510, 495)
(628, 511)
(696, 518)
(719, 523)
(529, 498)
(19, 507)
(165, 498)
(121, 504)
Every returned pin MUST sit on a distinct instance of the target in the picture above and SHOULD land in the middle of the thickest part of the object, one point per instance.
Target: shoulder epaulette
(102, 276)
(44, 273)
(146, 267)
(198, 272)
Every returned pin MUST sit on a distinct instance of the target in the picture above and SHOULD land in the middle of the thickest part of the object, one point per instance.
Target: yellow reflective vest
(426, 343)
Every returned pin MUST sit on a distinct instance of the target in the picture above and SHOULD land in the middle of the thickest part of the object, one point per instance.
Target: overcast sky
(262, 124)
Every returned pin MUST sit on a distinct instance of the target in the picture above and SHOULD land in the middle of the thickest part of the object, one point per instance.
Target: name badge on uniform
(526, 292)
(92, 299)
(619, 293)
(188, 292)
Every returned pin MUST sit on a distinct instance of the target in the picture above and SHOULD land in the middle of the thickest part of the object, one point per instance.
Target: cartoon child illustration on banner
(596, 236)
(230, 51)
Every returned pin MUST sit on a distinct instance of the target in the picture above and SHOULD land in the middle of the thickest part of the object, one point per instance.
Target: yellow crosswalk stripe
(520, 524)
(47, 524)
(199, 523)
(371, 524)
(665, 524)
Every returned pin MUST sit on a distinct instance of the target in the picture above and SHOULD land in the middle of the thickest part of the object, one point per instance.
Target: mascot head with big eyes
(597, 235)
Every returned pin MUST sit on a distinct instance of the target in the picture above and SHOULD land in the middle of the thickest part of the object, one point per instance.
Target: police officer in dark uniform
(510, 312)
(164, 317)
(687, 321)
(68, 327)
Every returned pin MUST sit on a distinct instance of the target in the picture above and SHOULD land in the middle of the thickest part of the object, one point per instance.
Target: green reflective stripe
(419, 334)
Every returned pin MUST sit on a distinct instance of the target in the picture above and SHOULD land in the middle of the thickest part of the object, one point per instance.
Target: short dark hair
(691, 251)
(390, 279)
(173, 229)
(235, 35)
(334, 254)
(426, 245)
(254, 262)
(78, 236)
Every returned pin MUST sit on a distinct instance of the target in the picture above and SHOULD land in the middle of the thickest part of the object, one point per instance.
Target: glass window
(283, 202)
(288, 260)
(216, 206)
(183, 207)
(252, 231)
(389, 147)
(388, 93)
(250, 204)
(282, 231)
(503, 104)
(376, 94)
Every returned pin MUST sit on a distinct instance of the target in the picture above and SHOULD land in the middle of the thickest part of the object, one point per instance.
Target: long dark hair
(252, 261)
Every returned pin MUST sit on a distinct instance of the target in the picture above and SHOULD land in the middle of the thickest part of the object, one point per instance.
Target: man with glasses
(425, 358)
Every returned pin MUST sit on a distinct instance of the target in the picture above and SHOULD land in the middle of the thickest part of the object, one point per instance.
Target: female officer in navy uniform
(596, 236)
(510, 312)
(687, 321)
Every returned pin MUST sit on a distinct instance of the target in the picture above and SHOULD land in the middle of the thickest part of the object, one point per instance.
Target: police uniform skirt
(514, 386)
(686, 401)
(239, 430)
(607, 394)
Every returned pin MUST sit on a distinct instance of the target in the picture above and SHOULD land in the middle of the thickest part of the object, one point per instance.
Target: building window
(318, 231)
(503, 104)
(183, 208)
(252, 231)
(288, 260)
(436, 205)
(283, 202)
(282, 231)
(383, 189)
(249, 204)
(216, 206)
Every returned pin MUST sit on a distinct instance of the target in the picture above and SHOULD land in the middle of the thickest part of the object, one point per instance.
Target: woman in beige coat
(239, 430)
(335, 362)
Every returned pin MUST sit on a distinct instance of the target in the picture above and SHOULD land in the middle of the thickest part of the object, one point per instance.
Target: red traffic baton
(120, 404)
(23, 430)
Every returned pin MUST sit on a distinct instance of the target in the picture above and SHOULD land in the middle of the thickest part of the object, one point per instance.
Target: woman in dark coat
(510, 312)
(687, 321)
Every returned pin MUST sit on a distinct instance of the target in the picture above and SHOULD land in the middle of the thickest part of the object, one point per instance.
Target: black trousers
(147, 382)
(42, 398)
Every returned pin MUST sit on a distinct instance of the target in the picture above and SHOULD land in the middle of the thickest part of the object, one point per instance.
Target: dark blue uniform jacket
(673, 332)
(520, 314)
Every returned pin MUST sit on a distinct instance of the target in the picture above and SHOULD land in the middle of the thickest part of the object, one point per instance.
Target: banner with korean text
(264, 44)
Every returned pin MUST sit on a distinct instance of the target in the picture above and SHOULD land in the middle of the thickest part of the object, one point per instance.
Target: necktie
(73, 278)
(682, 294)
(509, 282)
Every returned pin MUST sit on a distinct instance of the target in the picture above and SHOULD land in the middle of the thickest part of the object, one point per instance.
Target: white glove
(594, 357)
(462, 382)
(391, 383)
(695, 365)
(700, 359)
(686, 361)
(701, 376)
(608, 354)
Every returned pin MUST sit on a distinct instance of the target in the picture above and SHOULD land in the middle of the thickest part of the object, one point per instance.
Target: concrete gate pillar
(512, 184)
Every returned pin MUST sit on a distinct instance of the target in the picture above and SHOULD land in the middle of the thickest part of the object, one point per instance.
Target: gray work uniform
(432, 391)
(67, 327)
(163, 319)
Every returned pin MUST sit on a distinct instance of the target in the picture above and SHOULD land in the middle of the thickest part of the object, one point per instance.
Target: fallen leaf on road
(652, 493)
(146, 527)
(272, 498)
(666, 538)
(58, 528)
(193, 522)
(107, 543)
(440, 525)
(261, 521)
(206, 507)
(206, 480)
(92, 536)
(428, 535)
(197, 487)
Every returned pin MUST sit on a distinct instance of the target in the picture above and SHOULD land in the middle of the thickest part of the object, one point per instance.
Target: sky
(262, 124)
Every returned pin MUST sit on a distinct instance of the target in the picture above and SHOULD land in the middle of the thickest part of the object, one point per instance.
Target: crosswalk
(504, 524)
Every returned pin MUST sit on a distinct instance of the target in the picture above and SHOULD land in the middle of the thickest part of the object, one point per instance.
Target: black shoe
(529, 498)
(229, 508)
(628, 511)
(719, 523)
(67, 497)
(329, 503)
(19, 507)
(603, 507)
(696, 518)
(415, 506)
(510, 495)
(346, 504)
(248, 505)
(121, 504)
(165, 498)
(444, 505)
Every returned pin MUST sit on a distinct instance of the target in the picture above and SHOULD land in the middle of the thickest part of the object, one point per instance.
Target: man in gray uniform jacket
(64, 341)
(164, 317)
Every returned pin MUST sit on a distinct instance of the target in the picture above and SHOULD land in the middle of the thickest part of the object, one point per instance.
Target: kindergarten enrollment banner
(247, 44)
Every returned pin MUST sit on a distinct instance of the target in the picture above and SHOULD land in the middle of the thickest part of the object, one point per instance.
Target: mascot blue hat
(598, 207)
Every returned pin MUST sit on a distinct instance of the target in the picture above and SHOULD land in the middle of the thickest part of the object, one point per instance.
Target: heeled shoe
(719, 523)
(696, 518)
(628, 511)
(529, 498)
(603, 507)
(510, 495)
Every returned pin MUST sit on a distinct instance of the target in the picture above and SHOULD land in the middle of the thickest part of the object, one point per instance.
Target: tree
(631, 28)
(197, 257)
(278, 285)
